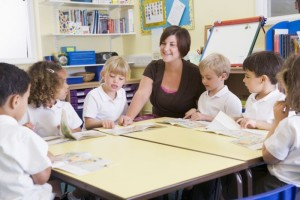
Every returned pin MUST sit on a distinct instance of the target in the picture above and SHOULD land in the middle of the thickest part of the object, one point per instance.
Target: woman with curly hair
(48, 89)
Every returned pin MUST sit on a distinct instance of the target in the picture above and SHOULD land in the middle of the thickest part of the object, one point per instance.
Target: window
(277, 10)
(17, 41)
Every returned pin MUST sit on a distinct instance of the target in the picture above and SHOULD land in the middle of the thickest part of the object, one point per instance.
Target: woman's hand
(125, 120)
(189, 113)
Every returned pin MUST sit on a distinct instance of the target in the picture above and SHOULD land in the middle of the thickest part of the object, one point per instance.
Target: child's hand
(189, 113)
(281, 110)
(29, 125)
(246, 123)
(125, 120)
(108, 124)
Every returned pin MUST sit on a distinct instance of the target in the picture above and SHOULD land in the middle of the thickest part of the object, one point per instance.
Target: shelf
(88, 65)
(85, 4)
(93, 35)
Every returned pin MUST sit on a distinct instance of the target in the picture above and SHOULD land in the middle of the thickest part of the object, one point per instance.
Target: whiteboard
(235, 41)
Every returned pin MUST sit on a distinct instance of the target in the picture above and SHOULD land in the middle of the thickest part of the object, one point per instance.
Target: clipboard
(235, 39)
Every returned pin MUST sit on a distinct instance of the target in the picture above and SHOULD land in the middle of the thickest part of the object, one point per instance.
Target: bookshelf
(83, 21)
(291, 26)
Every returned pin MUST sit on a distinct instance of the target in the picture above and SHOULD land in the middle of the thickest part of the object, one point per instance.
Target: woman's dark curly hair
(45, 83)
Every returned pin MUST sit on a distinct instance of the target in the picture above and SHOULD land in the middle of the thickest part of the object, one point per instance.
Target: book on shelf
(225, 125)
(78, 163)
(67, 135)
(120, 130)
(128, 23)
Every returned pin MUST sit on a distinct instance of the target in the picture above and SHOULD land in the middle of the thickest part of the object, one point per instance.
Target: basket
(87, 76)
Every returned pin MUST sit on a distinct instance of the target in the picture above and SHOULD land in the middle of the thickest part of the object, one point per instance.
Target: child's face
(63, 92)
(169, 50)
(113, 82)
(252, 82)
(211, 81)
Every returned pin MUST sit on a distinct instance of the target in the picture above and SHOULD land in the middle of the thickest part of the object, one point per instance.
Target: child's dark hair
(45, 82)
(290, 77)
(264, 63)
(12, 81)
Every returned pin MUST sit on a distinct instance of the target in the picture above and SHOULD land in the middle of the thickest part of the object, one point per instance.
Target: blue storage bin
(96, 70)
(75, 80)
(81, 58)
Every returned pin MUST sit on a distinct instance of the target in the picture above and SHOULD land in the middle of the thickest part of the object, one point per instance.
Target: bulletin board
(154, 14)
(235, 39)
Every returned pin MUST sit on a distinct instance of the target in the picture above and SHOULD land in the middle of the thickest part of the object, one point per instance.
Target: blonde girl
(106, 103)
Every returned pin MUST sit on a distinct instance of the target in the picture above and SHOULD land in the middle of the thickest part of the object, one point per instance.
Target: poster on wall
(154, 14)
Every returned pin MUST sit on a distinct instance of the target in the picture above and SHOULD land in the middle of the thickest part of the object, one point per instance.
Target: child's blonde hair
(116, 65)
(217, 63)
(45, 82)
(290, 77)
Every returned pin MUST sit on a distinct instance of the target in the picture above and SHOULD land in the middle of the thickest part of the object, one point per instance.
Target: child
(106, 103)
(214, 70)
(48, 88)
(282, 145)
(24, 164)
(260, 79)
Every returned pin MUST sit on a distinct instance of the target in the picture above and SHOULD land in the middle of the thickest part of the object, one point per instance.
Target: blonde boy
(24, 165)
(214, 70)
(260, 79)
(105, 104)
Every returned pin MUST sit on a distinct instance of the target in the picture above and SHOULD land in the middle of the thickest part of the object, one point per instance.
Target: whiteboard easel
(234, 39)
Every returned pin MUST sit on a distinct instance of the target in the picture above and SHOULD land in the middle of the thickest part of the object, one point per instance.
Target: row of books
(285, 44)
(94, 22)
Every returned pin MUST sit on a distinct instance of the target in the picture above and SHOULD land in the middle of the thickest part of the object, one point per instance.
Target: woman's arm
(139, 99)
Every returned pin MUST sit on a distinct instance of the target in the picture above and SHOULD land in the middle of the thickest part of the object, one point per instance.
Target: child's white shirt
(46, 120)
(23, 153)
(284, 145)
(262, 109)
(98, 105)
(224, 100)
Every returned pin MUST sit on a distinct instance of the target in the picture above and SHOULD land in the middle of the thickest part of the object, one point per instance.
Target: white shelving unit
(114, 11)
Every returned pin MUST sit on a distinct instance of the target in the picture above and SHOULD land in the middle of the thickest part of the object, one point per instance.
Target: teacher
(173, 84)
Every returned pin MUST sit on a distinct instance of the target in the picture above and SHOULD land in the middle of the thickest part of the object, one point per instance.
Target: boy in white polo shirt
(260, 79)
(214, 70)
(105, 104)
(24, 165)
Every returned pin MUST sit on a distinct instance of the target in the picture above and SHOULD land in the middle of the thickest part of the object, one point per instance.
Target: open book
(186, 123)
(225, 125)
(119, 130)
(66, 133)
(78, 163)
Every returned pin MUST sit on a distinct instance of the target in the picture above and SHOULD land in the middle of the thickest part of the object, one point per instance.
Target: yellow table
(142, 170)
(198, 141)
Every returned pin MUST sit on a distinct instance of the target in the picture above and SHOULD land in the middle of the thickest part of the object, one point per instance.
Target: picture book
(225, 125)
(120, 130)
(66, 133)
(78, 163)
(186, 123)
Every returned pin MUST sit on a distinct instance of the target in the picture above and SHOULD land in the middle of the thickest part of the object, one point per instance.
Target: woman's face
(169, 50)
